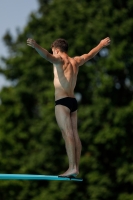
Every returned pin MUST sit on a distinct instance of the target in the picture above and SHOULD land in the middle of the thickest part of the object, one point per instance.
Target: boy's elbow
(90, 56)
(45, 55)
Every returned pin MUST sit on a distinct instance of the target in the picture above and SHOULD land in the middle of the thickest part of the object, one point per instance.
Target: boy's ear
(57, 50)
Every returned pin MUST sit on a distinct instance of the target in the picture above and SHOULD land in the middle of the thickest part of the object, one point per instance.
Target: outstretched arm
(85, 57)
(43, 52)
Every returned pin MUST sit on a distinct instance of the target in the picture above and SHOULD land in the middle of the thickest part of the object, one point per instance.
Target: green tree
(30, 141)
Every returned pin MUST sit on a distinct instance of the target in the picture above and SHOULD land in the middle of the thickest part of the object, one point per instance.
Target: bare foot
(69, 173)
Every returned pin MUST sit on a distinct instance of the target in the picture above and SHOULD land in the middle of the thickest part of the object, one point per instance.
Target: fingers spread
(30, 42)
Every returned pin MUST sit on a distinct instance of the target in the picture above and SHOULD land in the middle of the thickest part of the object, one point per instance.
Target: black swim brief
(69, 102)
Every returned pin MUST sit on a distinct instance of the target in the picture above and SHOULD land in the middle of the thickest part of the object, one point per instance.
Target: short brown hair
(61, 44)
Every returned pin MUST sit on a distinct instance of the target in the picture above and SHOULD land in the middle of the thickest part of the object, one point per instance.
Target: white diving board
(37, 177)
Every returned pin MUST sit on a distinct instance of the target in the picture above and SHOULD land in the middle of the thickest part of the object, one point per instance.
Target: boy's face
(55, 51)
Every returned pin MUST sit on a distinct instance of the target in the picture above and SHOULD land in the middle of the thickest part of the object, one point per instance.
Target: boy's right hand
(105, 42)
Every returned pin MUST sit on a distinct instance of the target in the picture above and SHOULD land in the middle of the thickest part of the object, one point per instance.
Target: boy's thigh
(63, 118)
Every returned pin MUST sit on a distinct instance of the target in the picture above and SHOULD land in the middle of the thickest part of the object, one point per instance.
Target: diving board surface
(36, 177)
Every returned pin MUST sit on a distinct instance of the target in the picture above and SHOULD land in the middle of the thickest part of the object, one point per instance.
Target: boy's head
(61, 44)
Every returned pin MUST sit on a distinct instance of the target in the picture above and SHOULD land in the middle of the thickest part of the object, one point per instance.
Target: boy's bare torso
(65, 77)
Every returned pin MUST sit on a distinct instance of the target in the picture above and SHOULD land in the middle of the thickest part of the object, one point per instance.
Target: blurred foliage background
(30, 140)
